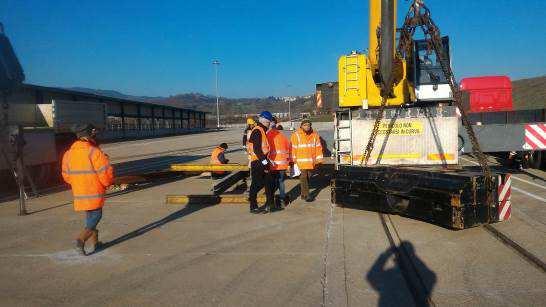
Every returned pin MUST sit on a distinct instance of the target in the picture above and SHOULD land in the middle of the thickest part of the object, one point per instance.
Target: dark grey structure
(124, 118)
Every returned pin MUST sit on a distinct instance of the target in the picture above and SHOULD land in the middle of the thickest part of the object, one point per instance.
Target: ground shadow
(409, 271)
(320, 179)
(152, 164)
(153, 171)
(326, 152)
(149, 137)
(187, 210)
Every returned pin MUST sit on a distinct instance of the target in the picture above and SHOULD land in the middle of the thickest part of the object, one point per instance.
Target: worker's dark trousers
(260, 179)
(305, 177)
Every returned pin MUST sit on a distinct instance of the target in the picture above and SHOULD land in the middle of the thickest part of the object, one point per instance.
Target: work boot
(254, 208)
(95, 243)
(80, 241)
(276, 208)
(80, 247)
(286, 200)
(308, 199)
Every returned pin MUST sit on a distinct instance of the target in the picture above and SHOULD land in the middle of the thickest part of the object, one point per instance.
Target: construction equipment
(11, 137)
(219, 184)
(401, 106)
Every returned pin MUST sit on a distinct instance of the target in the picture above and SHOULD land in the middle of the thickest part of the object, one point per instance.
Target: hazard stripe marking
(535, 136)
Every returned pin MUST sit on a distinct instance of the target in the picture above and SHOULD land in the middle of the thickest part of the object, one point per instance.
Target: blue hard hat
(267, 115)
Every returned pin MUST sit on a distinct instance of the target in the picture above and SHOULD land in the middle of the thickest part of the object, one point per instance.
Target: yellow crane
(362, 78)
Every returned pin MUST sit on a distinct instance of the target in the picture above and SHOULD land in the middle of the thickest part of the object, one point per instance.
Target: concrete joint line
(324, 279)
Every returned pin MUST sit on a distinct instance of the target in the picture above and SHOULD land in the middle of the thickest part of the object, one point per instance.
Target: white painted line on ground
(529, 194)
(513, 176)
(518, 189)
(529, 182)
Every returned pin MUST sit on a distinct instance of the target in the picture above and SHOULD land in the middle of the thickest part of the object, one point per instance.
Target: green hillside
(529, 93)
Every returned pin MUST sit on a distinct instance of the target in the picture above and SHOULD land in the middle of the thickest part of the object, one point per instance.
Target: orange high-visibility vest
(248, 133)
(214, 158)
(265, 144)
(87, 169)
(306, 149)
(279, 152)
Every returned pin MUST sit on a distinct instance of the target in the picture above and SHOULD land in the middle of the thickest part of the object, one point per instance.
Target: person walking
(306, 154)
(218, 157)
(279, 155)
(258, 149)
(88, 172)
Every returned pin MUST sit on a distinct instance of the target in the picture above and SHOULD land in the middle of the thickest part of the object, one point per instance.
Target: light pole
(289, 108)
(216, 63)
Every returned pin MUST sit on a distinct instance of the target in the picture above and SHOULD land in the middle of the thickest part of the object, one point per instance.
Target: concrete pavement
(307, 255)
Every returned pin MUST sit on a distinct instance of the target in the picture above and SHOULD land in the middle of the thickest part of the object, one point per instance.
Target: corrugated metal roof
(101, 97)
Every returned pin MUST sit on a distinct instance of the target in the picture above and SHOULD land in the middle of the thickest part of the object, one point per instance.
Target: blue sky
(281, 47)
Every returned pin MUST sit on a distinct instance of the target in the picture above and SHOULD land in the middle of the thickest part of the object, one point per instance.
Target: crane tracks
(513, 245)
(413, 278)
(415, 282)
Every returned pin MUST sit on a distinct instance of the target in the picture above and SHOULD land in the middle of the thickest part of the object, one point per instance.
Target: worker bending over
(218, 157)
(88, 171)
(258, 149)
(306, 154)
(279, 155)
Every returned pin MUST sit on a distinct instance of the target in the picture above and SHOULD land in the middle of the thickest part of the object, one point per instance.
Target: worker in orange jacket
(306, 154)
(279, 155)
(218, 157)
(88, 171)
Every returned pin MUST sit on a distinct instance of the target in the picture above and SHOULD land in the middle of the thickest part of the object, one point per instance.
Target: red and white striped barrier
(535, 137)
(505, 191)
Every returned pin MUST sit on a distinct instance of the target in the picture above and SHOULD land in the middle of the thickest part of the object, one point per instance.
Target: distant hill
(238, 106)
(112, 93)
(529, 93)
(229, 107)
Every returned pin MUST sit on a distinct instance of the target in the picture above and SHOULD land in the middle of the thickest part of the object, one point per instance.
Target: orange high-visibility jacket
(214, 158)
(88, 171)
(306, 149)
(250, 146)
(279, 151)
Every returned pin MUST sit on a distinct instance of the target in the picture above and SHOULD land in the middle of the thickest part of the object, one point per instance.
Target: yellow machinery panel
(357, 87)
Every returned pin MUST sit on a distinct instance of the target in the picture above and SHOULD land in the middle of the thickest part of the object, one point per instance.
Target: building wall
(125, 119)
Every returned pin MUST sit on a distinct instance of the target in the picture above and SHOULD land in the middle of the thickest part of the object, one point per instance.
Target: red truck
(502, 128)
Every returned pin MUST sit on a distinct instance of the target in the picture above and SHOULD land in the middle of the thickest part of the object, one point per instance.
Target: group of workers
(271, 155)
(86, 168)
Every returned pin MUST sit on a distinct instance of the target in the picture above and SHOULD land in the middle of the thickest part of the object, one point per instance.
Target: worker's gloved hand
(227, 161)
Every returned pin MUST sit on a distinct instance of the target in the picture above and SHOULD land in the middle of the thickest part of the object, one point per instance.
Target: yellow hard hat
(250, 121)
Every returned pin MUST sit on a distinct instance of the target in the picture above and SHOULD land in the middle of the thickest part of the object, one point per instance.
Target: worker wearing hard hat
(258, 149)
(88, 171)
(306, 154)
(250, 123)
(218, 157)
(279, 155)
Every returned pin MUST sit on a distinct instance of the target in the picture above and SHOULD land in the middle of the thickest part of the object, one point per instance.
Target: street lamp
(289, 108)
(216, 63)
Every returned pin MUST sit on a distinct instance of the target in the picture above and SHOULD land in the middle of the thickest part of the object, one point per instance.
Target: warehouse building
(123, 118)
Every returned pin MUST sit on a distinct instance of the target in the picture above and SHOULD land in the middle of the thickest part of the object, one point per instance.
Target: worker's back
(279, 152)
(87, 169)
